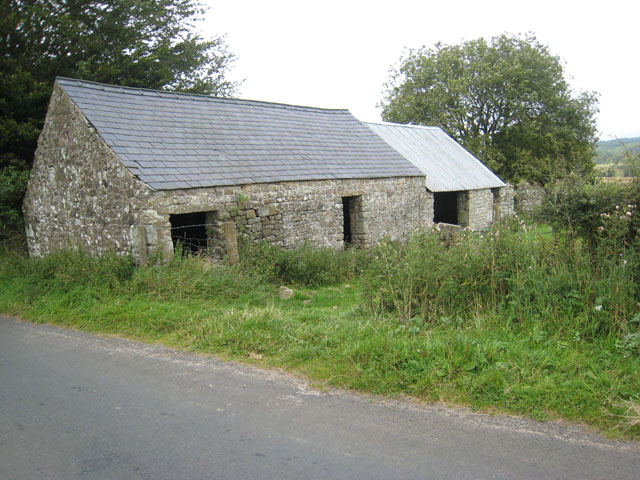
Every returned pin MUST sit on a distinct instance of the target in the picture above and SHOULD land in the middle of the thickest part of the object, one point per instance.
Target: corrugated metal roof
(448, 167)
(171, 140)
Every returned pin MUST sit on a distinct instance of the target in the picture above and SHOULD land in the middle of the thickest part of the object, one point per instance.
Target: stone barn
(138, 171)
(464, 191)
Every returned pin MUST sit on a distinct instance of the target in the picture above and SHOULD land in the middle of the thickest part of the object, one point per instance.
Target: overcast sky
(337, 54)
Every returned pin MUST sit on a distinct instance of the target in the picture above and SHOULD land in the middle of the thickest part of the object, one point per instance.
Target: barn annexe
(465, 192)
(139, 171)
(135, 171)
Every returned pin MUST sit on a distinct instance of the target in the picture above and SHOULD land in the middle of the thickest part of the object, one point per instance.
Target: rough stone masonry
(346, 185)
(80, 195)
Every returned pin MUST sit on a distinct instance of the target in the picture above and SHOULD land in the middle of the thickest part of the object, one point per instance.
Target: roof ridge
(196, 96)
(404, 125)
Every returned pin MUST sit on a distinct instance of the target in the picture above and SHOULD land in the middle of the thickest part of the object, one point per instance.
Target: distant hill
(615, 151)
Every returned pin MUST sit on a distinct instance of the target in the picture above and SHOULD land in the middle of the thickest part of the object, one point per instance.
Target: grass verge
(328, 334)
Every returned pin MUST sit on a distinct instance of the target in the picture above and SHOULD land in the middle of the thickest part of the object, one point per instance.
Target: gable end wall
(79, 195)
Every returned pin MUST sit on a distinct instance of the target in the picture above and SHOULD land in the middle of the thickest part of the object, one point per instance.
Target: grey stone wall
(527, 197)
(503, 202)
(79, 193)
(290, 213)
(475, 209)
(463, 209)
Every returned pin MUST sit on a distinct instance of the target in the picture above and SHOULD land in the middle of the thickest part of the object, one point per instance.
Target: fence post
(231, 241)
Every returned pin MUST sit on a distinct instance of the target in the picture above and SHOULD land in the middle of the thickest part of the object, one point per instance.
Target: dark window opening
(189, 230)
(347, 208)
(445, 207)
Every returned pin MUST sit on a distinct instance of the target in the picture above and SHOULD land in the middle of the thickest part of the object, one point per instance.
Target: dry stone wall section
(475, 209)
(528, 197)
(503, 202)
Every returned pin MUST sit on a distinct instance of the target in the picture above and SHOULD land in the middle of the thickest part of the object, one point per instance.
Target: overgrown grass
(480, 339)
(303, 266)
(554, 283)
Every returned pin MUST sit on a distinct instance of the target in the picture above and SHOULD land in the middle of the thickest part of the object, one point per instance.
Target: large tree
(506, 100)
(139, 43)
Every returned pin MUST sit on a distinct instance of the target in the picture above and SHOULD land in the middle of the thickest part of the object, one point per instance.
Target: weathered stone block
(267, 211)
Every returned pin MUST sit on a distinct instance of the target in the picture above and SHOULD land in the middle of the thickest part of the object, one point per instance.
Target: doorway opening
(347, 206)
(353, 222)
(196, 232)
(445, 207)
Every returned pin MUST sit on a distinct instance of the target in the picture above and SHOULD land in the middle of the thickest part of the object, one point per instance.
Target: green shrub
(12, 243)
(602, 214)
(13, 183)
(507, 273)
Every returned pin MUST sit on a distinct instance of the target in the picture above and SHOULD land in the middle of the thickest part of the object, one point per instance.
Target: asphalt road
(73, 405)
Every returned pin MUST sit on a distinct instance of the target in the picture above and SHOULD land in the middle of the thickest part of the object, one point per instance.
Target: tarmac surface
(78, 406)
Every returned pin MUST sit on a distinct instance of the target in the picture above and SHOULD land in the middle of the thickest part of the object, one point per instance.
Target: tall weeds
(507, 273)
(304, 265)
(184, 277)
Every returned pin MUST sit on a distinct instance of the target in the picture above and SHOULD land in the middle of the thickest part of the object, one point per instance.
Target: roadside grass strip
(489, 356)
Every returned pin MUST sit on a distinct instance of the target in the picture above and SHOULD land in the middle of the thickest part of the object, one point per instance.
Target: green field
(615, 152)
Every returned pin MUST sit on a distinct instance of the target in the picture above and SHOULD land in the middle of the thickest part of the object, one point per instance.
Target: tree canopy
(139, 43)
(506, 100)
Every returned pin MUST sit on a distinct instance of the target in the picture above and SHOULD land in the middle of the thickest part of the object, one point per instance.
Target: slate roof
(447, 166)
(174, 140)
